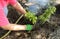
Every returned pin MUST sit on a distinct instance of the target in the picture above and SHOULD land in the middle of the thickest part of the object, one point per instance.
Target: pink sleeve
(3, 19)
(12, 2)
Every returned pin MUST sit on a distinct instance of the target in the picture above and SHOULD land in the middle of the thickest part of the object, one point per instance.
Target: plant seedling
(47, 14)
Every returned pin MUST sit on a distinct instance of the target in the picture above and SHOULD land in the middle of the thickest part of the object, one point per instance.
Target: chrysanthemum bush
(44, 17)
(47, 14)
(31, 16)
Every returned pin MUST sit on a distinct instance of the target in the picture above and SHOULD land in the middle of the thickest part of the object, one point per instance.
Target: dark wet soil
(49, 30)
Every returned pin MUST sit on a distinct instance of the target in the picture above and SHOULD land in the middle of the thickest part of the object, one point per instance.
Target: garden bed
(49, 30)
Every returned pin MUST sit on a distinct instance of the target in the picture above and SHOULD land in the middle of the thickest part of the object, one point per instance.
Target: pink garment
(3, 3)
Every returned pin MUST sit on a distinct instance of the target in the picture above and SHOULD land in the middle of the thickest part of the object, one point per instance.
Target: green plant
(47, 14)
(29, 15)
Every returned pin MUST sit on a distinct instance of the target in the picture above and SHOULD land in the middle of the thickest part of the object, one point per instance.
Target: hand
(29, 27)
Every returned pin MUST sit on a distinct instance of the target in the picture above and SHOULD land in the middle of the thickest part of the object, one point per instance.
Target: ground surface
(47, 31)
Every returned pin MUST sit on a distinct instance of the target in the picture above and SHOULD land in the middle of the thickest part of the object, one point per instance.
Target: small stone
(18, 34)
(39, 36)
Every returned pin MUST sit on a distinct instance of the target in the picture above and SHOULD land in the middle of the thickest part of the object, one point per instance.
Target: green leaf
(31, 16)
(47, 14)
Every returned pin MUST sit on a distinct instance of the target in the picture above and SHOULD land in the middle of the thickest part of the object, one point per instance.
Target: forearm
(14, 27)
(19, 8)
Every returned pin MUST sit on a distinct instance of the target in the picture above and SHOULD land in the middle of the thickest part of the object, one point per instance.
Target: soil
(49, 30)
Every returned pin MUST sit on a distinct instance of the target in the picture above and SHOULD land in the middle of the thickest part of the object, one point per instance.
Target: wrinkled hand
(29, 15)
